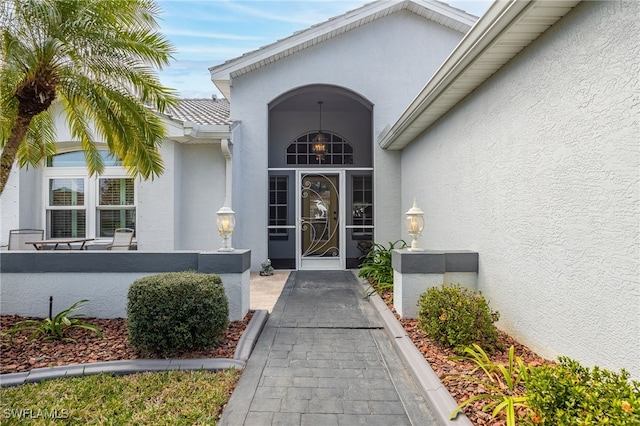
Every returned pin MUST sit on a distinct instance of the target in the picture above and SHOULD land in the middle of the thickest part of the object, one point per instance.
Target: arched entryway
(320, 178)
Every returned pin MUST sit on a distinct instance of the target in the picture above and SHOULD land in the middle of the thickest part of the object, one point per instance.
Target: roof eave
(495, 39)
(224, 86)
(189, 132)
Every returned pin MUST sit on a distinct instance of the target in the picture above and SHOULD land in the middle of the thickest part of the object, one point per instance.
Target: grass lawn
(167, 398)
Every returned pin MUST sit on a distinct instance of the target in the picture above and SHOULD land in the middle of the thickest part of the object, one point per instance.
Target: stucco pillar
(415, 272)
(234, 270)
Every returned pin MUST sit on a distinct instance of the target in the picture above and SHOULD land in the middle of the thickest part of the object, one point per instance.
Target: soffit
(505, 29)
(433, 10)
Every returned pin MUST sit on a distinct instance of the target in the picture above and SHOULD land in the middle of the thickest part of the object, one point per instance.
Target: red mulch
(24, 355)
(461, 389)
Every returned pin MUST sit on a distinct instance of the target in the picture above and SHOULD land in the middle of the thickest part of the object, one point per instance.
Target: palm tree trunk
(10, 150)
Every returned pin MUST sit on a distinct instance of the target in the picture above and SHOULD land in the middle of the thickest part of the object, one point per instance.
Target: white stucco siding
(202, 190)
(538, 171)
(9, 206)
(386, 62)
(158, 207)
(22, 202)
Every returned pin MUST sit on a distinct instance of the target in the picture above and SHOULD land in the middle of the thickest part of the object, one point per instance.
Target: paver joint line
(330, 328)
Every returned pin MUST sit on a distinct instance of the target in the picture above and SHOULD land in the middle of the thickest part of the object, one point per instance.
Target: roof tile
(201, 111)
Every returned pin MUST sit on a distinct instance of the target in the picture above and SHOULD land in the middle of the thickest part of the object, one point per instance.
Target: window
(362, 202)
(67, 214)
(277, 207)
(89, 207)
(338, 151)
(116, 205)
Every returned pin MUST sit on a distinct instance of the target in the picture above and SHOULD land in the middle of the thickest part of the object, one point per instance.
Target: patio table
(40, 244)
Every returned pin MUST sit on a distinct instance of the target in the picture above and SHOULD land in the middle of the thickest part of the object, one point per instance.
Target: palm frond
(101, 62)
(39, 142)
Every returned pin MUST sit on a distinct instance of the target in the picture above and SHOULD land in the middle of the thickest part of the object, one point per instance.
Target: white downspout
(226, 146)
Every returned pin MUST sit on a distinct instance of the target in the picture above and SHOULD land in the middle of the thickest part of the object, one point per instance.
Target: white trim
(502, 32)
(438, 12)
(290, 169)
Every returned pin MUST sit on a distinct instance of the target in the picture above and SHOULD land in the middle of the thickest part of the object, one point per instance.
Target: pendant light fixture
(319, 146)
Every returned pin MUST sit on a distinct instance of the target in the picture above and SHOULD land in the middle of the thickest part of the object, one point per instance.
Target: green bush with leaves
(457, 317)
(376, 265)
(177, 311)
(568, 393)
(56, 327)
(504, 384)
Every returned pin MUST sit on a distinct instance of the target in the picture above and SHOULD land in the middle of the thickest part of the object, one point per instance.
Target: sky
(206, 33)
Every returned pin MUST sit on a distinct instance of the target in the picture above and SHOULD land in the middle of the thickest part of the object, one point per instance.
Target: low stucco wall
(29, 279)
(415, 272)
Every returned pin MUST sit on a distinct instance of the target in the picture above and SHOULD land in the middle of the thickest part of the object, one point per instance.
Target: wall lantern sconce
(226, 223)
(415, 225)
(319, 146)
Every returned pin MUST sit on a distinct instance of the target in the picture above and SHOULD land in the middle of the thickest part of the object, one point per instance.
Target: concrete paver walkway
(324, 358)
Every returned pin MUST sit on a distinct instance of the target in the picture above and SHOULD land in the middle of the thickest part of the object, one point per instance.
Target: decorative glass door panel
(320, 221)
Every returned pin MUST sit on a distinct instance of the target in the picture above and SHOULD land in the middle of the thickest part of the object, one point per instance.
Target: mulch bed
(450, 371)
(24, 354)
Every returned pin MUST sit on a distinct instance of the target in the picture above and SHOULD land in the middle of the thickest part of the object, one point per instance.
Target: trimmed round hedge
(177, 311)
(457, 317)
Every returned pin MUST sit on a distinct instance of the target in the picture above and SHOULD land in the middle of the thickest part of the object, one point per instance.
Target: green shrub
(376, 265)
(178, 311)
(569, 394)
(457, 317)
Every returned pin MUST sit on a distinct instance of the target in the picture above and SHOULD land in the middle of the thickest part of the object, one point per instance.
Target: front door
(320, 229)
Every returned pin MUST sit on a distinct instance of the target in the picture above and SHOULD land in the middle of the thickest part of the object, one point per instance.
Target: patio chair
(18, 237)
(122, 239)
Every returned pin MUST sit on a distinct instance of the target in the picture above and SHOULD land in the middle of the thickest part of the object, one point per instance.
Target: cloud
(303, 13)
(205, 34)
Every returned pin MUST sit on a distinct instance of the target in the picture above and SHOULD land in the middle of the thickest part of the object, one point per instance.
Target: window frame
(278, 231)
(91, 195)
(299, 152)
(364, 228)
(100, 208)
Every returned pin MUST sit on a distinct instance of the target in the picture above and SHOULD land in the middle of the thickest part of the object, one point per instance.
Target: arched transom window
(304, 150)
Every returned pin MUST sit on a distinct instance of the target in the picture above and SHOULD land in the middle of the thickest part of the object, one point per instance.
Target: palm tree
(97, 59)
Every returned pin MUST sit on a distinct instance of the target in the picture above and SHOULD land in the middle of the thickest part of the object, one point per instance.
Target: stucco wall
(538, 171)
(177, 210)
(385, 62)
(29, 278)
(20, 208)
(202, 191)
(9, 204)
(156, 223)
